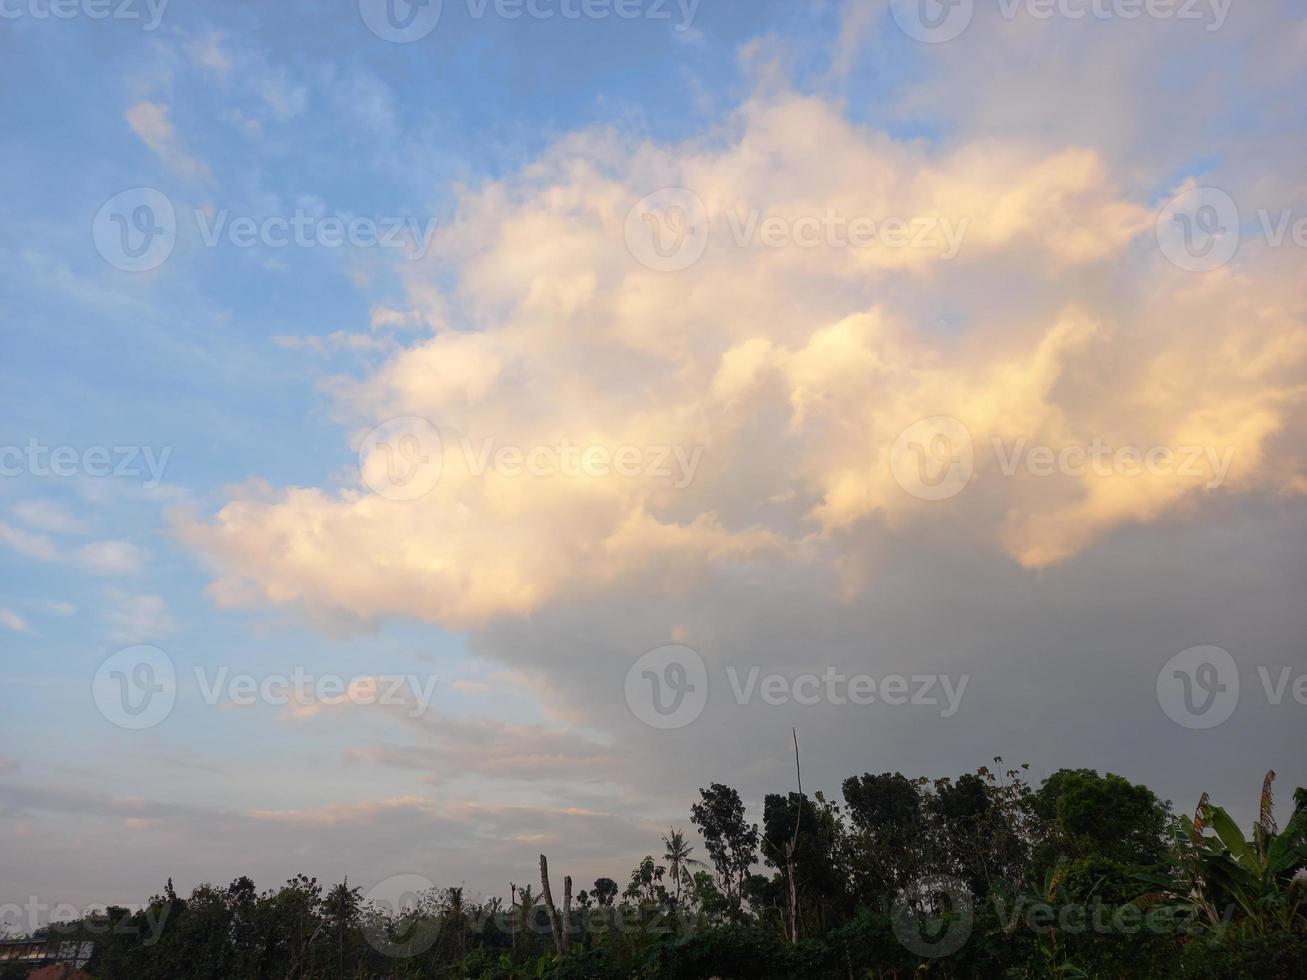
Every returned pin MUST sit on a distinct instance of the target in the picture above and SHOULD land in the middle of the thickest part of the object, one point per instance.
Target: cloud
(136, 618)
(209, 54)
(45, 515)
(792, 369)
(150, 122)
(27, 543)
(472, 687)
(8, 766)
(457, 748)
(110, 558)
(11, 620)
(858, 19)
(97, 557)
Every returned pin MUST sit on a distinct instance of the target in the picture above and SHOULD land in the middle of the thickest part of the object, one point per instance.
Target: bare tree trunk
(567, 914)
(555, 926)
(794, 843)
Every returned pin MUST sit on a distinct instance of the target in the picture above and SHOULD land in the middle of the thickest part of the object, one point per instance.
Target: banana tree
(1260, 878)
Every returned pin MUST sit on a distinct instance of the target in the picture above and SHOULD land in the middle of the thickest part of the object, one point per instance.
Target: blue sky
(259, 370)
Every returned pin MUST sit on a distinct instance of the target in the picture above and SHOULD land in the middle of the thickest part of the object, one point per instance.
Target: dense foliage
(979, 876)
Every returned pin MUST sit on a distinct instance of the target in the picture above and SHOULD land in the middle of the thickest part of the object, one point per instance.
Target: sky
(434, 435)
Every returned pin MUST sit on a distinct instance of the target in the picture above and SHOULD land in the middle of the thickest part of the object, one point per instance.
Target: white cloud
(794, 368)
(110, 558)
(209, 54)
(44, 515)
(11, 620)
(149, 121)
(28, 543)
(136, 618)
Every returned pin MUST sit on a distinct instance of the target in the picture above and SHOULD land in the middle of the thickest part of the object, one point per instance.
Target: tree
(731, 842)
(1259, 879)
(341, 908)
(677, 855)
(887, 817)
(981, 828)
(800, 839)
(646, 881)
(605, 890)
(1103, 816)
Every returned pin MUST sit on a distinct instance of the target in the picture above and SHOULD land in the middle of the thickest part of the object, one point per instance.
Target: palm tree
(677, 856)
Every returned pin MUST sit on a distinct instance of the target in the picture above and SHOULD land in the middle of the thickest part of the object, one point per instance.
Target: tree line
(982, 875)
